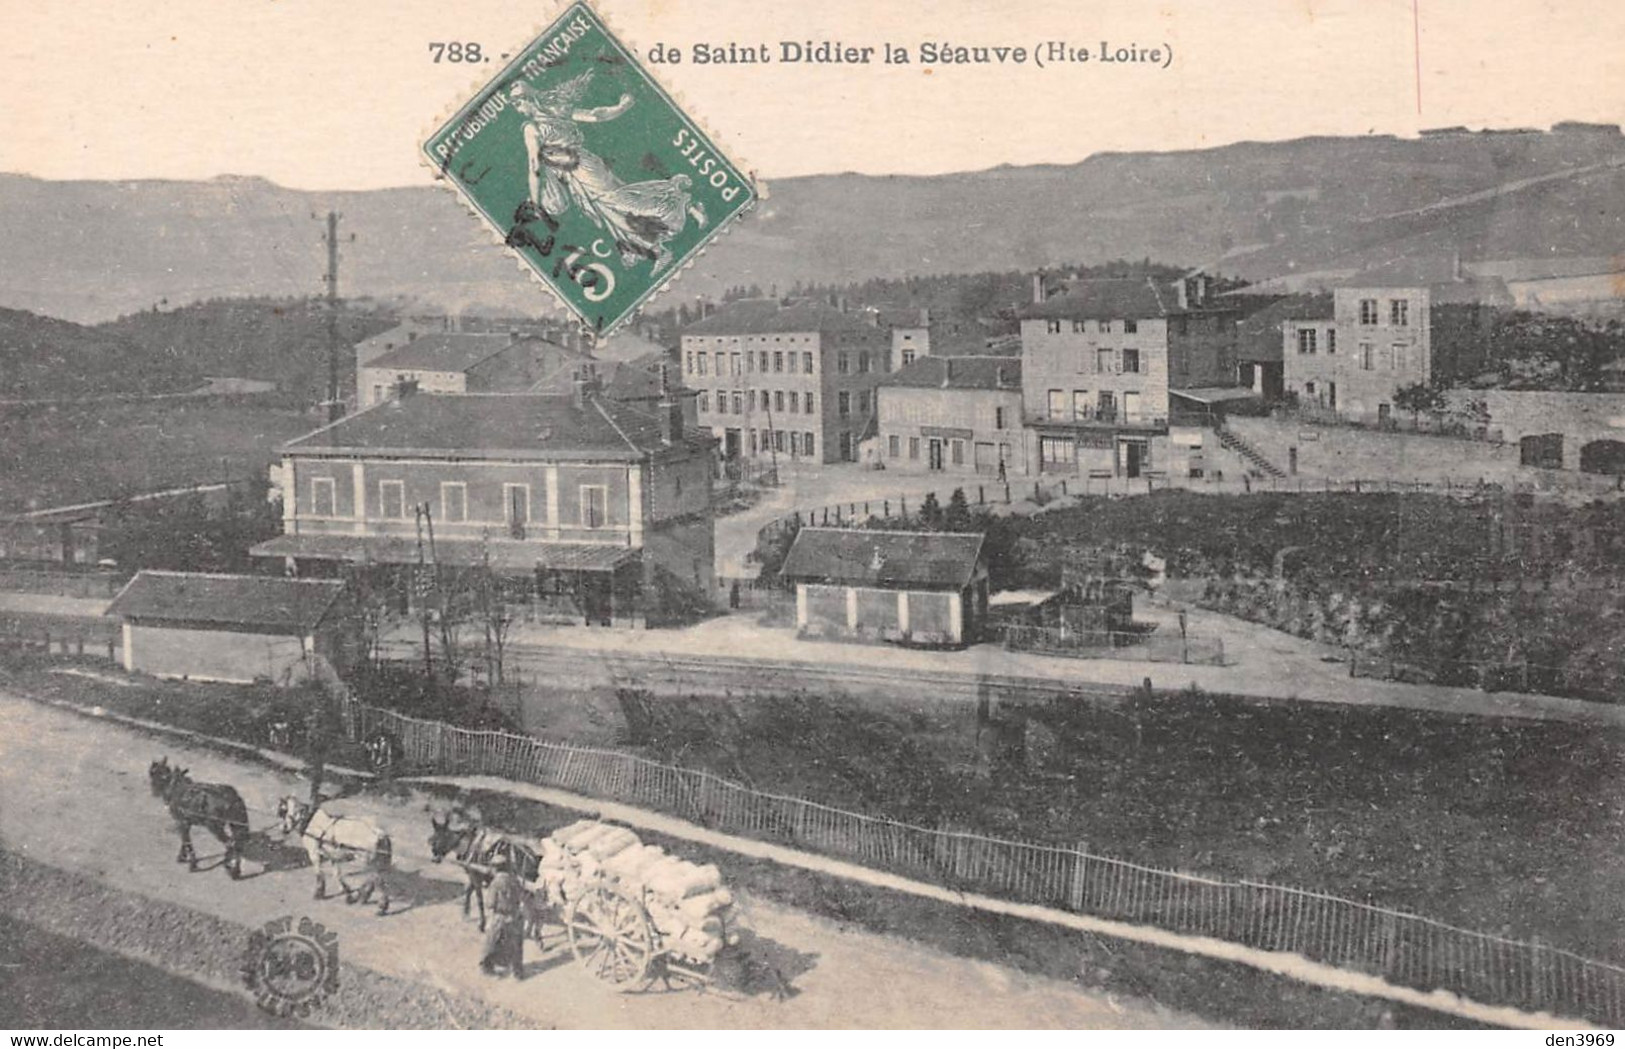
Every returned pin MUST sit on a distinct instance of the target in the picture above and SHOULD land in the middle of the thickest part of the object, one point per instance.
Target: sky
(319, 94)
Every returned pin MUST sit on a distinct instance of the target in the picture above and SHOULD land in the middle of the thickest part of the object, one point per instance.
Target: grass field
(55, 456)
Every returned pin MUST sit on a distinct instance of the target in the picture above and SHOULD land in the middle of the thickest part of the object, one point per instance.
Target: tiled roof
(960, 373)
(265, 602)
(935, 560)
(497, 425)
(444, 352)
(1107, 299)
(767, 316)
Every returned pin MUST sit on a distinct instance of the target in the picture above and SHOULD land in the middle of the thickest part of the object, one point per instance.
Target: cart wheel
(610, 935)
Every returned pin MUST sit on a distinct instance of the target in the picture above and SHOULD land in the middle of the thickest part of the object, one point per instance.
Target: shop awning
(505, 555)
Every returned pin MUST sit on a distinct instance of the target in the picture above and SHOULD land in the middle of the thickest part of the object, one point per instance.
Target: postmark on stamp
(588, 169)
(291, 966)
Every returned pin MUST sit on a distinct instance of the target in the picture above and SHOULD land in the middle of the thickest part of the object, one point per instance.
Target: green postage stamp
(589, 170)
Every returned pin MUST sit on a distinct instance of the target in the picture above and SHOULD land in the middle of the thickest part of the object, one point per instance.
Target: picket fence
(1405, 949)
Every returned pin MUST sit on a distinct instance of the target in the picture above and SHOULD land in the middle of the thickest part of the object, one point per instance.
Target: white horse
(345, 843)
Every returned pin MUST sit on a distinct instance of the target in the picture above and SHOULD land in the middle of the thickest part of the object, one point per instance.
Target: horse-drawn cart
(634, 914)
(631, 913)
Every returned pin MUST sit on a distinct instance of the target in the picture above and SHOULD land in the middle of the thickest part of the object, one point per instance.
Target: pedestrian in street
(505, 942)
(1002, 475)
(733, 595)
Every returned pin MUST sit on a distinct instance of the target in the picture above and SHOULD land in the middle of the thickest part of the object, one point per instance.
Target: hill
(281, 340)
(1257, 210)
(45, 358)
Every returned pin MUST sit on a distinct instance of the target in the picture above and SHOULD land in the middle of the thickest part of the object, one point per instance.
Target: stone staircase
(1255, 459)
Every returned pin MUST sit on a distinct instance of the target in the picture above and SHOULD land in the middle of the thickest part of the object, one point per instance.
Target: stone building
(955, 415)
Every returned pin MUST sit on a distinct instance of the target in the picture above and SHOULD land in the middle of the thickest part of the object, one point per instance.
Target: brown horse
(215, 806)
(476, 849)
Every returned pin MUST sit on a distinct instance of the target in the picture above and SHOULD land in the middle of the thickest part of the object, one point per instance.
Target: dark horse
(476, 849)
(217, 807)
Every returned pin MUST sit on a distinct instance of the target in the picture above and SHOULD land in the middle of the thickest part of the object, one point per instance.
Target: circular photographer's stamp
(291, 966)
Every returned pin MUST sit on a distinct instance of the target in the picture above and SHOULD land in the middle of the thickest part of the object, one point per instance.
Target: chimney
(1203, 286)
(1183, 291)
(998, 374)
(671, 410)
(1038, 287)
(947, 371)
(586, 386)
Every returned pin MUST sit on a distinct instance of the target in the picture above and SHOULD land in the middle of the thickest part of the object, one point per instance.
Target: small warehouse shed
(927, 588)
(236, 628)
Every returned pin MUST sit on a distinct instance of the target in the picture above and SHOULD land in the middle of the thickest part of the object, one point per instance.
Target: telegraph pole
(335, 407)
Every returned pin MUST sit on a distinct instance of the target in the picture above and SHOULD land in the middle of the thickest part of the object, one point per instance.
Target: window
(750, 361)
(795, 442)
(894, 446)
(914, 448)
(705, 401)
(1053, 327)
(840, 363)
(1131, 327)
(688, 362)
(807, 443)
(1056, 404)
(763, 363)
(700, 359)
(998, 419)
(1105, 361)
(956, 451)
(322, 501)
(594, 506)
(863, 402)
(737, 403)
(807, 402)
(1105, 327)
(863, 362)
(1131, 360)
(1366, 354)
(1055, 451)
(516, 503)
(753, 442)
(1399, 313)
(722, 362)
(908, 356)
(778, 360)
(806, 362)
(778, 400)
(1131, 406)
(778, 440)
(453, 501)
(377, 392)
(733, 361)
(843, 404)
(1106, 405)
(392, 500)
(1306, 340)
(795, 402)
(1396, 357)
(1368, 311)
(1331, 340)
(1079, 326)
(722, 402)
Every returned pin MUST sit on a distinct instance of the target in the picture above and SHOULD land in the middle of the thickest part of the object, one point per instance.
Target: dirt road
(74, 795)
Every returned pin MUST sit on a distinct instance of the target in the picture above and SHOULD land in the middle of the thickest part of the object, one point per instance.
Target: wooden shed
(927, 588)
(237, 628)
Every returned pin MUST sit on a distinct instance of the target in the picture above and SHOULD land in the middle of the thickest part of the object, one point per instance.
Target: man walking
(505, 943)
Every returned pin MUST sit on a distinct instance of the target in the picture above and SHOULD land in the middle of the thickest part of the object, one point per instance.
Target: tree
(1417, 398)
(931, 515)
(957, 517)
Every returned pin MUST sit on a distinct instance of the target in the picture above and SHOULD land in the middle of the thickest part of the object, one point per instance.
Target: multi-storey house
(1377, 341)
(786, 379)
(588, 508)
(954, 414)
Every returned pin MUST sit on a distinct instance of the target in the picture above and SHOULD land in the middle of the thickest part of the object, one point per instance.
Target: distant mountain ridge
(94, 250)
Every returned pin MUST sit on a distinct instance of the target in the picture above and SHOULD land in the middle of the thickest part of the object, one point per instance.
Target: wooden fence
(1405, 949)
(1117, 644)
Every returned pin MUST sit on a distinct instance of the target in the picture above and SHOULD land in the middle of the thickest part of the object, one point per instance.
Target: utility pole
(335, 407)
